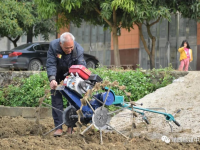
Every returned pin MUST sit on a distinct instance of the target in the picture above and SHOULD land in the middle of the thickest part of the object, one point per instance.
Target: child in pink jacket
(185, 55)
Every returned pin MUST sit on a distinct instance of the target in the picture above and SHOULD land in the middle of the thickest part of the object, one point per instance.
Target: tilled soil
(20, 133)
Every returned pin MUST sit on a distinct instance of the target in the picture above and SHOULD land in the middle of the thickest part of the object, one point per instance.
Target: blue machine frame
(74, 99)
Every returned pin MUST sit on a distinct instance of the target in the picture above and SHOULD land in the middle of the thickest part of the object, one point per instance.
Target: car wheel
(90, 64)
(35, 65)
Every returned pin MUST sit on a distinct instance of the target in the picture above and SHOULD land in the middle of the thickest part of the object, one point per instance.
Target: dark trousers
(57, 102)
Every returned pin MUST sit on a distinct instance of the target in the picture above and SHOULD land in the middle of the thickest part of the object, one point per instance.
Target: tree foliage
(41, 26)
(108, 13)
(19, 17)
(15, 17)
(96, 12)
(187, 8)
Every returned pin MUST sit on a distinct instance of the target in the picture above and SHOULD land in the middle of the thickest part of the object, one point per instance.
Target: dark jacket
(58, 63)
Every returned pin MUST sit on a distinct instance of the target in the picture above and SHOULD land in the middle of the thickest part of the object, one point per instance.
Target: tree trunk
(152, 60)
(115, 45)
(153, 40)
(114, 33)
(146, 47)
(115, 39)
(14, 41)
(30, 35)
(151, 53)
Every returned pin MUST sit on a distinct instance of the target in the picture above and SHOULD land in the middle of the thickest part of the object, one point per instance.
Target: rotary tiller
(88, 94)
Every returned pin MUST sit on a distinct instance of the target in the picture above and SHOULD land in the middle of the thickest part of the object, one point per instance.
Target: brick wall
(128, 40)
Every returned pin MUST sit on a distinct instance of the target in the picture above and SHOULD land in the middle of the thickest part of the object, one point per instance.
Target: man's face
(68, 46)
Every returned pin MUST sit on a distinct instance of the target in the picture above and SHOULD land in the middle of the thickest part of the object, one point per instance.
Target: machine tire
(91, 64)
(35, 65)
(70, 110)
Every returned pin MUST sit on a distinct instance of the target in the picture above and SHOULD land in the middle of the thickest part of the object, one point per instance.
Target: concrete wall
(26, 112)
(94, 40)
(198, 47)
(7, 76)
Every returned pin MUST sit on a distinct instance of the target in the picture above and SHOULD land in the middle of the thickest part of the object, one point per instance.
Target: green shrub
(27, 91)
(138, 83)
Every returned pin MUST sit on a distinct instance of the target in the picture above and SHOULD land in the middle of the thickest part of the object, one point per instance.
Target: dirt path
(20, 133)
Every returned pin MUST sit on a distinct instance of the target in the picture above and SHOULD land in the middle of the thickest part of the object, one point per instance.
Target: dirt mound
(183, 94)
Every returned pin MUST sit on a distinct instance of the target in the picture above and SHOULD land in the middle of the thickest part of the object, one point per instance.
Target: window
(37, 47)
(45, 47)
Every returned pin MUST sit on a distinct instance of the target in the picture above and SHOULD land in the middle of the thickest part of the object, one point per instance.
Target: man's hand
(53, 84)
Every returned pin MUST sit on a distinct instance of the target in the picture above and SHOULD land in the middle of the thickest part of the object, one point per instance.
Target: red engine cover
(82, 71)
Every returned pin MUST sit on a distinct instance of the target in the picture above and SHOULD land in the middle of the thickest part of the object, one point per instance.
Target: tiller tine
(79, 125)
(80, 113)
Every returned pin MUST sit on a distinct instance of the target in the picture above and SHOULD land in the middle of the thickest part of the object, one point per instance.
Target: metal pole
(101, 137)
(117, 131)
(177, 37)
(168, 53)
(52, 107)
(87, 129)
(53, 129)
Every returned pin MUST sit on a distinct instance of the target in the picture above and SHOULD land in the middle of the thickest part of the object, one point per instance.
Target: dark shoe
(58, 132)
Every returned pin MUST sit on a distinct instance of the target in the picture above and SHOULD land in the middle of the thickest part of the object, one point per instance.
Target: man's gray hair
(65, 37)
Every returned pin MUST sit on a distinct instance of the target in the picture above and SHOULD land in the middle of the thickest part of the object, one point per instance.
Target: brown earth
(20, 133)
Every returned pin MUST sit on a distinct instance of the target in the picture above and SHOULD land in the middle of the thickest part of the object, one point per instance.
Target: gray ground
(3, 69)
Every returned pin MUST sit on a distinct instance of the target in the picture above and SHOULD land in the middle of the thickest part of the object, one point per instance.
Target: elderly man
(62, 54)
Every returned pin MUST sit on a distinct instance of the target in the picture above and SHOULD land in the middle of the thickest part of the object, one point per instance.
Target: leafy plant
(137, 82)
(27, 91)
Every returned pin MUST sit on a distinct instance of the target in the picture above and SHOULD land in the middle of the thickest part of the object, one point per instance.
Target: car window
(37, 48)
(45, 47)
(31, 49)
